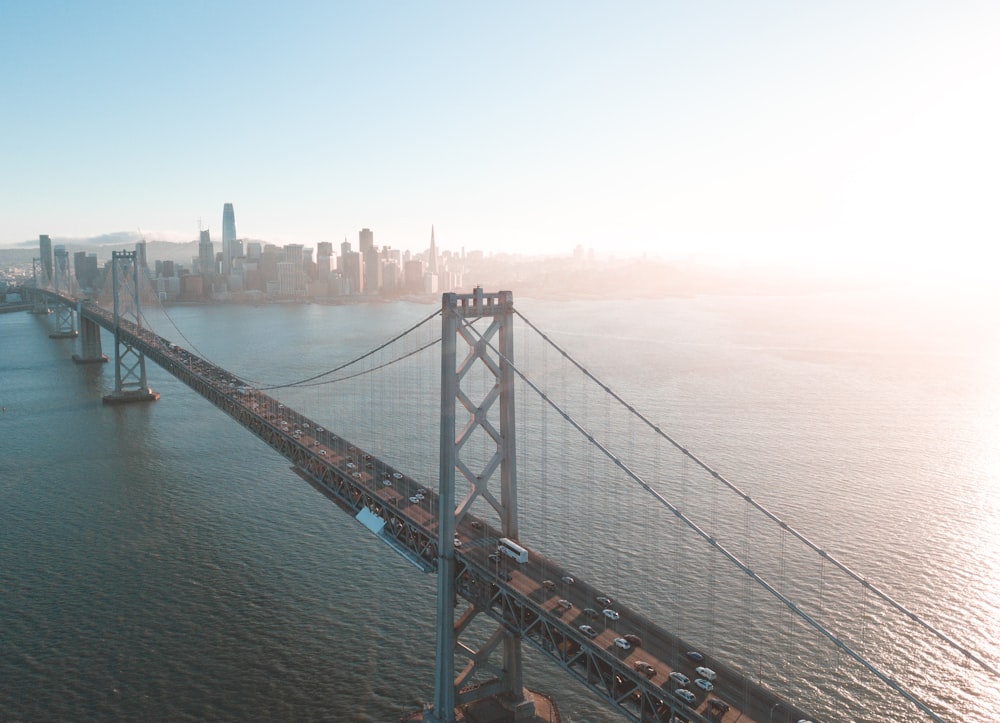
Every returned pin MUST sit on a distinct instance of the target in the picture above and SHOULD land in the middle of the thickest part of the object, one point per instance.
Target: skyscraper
(324, 254)
(61, 268)
(366, 240)
(45, 254)
(206, 253)
(228, 237)
(432, 261)
(371, 269)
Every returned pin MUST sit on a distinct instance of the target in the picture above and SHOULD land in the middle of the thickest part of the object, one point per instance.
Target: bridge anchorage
(130, 362)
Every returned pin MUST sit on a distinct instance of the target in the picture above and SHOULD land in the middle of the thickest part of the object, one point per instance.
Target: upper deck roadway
(536, 599)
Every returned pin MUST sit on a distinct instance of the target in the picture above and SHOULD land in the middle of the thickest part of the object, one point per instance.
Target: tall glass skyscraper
(228, 237)
(206, 253)
(45, 255)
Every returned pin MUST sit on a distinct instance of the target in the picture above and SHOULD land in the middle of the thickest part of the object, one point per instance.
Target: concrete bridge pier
(39, 306)
(90, 342)
(65, 322)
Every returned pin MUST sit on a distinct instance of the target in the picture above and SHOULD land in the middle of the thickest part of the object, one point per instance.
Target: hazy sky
(816, 131)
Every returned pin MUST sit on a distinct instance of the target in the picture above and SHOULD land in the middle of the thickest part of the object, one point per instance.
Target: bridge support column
(90, 341)
(65, 322)
(39, 305)
(459, 315)
(130, 363)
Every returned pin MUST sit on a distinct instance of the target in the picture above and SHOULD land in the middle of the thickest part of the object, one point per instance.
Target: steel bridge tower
(65, 314)
(130, 363)
(459, 314)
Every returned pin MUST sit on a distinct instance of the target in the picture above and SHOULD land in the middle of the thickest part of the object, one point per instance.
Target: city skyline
(828, 136)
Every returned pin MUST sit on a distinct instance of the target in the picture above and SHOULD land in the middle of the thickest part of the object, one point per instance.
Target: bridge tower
(130, 363)
(65, 313)
(459, 315)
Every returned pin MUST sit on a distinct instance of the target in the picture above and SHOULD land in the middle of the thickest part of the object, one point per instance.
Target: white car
(686, 695)
(565, 604)
(397, 475)
(588, 631)
(703, 684)
(706, 673)
(622, 643)
(610, 614)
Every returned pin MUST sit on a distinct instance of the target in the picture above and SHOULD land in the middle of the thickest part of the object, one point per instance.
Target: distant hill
(155, 250)
(17, 257)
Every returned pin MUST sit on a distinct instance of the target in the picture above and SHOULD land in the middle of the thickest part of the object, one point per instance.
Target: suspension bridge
(514, 591)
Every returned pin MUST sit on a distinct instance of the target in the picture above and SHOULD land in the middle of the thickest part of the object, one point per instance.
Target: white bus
(512, 549)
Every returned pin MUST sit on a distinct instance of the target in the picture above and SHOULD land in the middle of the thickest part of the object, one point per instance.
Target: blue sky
(823, 133)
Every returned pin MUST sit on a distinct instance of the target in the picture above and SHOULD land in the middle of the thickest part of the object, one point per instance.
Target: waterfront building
(324, 261)
(352, 272)
(286, 278)
(268, 266)
(291, 270)
(413, 276)
(372, 266)
(192, 287)
(391, 277)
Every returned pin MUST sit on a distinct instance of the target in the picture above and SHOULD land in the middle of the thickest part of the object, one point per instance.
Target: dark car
(720, 705)
(645, 668)
(634, 640)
